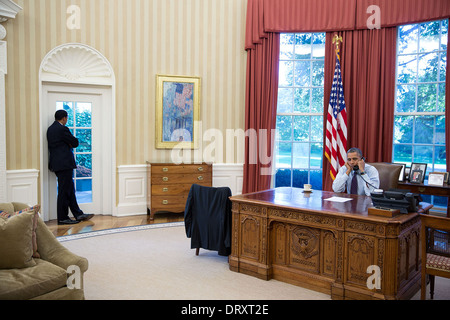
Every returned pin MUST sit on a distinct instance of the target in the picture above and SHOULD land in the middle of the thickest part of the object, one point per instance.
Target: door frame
(64, 70)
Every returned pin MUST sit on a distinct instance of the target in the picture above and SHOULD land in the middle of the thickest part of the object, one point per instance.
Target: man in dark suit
(62, 162)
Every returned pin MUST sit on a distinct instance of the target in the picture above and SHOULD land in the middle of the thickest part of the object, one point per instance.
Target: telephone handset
(356, 168)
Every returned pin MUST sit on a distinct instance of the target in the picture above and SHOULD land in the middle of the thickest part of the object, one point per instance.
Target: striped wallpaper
(140, 38)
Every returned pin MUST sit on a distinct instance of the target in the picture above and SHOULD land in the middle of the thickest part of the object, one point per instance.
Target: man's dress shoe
(68, 221)
(84, 217)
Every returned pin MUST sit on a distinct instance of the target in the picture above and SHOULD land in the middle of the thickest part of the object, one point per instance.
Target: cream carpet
(158, 263)
(155, 262)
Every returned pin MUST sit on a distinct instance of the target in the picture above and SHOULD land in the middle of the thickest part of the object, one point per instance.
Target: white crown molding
(76, 63)
(8, 10)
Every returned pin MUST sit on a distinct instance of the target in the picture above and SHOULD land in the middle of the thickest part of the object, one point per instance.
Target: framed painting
(177, 112)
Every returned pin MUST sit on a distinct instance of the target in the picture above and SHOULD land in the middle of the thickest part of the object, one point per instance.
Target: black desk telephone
(403, 200)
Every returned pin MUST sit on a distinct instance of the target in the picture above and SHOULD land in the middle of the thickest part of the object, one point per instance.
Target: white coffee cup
(307, 187)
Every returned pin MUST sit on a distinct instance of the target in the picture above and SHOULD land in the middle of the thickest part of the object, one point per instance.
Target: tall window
(419, 124)
(299, 138)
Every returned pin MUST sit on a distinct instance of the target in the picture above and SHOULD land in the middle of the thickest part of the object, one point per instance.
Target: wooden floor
(99, 222)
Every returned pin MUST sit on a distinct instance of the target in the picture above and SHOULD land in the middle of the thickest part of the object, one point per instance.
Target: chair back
(435, 243)
(388, 173)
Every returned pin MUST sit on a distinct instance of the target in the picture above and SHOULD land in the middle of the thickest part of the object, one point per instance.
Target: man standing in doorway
(62, 163)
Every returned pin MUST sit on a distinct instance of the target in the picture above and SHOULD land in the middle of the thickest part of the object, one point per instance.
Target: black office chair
(207, 218)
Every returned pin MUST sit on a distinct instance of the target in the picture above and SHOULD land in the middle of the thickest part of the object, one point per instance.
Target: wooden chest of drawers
(168, 185)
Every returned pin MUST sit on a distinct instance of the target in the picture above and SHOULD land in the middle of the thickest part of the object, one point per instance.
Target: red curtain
(260, 112)
(368, 60)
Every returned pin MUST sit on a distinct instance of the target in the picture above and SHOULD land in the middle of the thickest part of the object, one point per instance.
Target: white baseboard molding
(132, 179)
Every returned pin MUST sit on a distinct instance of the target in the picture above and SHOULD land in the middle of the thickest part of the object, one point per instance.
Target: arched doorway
(79, 79)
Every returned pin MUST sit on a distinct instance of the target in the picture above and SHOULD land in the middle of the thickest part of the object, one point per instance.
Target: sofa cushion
(44, 277)
(24, 208)
(7, 207)
(16, 247)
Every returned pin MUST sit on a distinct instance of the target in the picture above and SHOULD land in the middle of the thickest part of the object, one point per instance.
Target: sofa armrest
(50, 249)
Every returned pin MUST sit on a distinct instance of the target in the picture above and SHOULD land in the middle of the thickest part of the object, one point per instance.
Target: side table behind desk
(427, 189)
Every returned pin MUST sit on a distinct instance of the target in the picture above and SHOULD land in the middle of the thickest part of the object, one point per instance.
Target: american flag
(336, 135)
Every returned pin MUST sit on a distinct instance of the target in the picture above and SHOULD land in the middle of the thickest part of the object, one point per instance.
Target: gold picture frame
(177, 112)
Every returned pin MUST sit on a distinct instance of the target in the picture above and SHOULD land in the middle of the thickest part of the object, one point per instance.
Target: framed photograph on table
(437, 178)
(417, 172)
(177, 112)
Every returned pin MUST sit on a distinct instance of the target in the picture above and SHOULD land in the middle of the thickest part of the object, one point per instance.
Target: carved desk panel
(303, 239)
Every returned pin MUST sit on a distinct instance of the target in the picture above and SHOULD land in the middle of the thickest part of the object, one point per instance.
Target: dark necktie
(354, 186)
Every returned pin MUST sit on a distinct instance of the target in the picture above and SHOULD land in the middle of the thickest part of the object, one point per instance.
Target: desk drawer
(171, 169)
(169, 202)
(161, 178)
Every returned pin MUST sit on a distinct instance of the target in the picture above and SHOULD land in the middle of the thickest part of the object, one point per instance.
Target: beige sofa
(33, 263)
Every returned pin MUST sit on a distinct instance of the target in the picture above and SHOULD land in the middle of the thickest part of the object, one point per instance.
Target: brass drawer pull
(200, 168)
(200, 178)
(165, 189)
(165, 169)
(165, 179)
(165, 202)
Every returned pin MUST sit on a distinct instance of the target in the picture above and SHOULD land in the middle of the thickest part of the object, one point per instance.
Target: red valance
(398, 12)
(278, 16)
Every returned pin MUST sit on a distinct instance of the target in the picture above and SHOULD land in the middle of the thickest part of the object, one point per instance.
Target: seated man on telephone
(356, 177)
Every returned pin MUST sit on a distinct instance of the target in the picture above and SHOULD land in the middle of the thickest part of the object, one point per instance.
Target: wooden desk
(303, 239)
(421, 188)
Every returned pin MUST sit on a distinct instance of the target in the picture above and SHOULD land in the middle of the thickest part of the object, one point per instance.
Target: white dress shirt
(366, 183)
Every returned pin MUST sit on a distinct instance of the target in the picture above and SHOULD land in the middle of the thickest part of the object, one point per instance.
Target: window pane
(285, 100)
(283, 178)
(319, 46)
(441, 98)
(301, 158)
(301, 128)
(84, 190)
(83, 115)
(317, 128)
(286, 73)
(284, 128)
(427, 67)
(300, 177)
(302, 100)
(316, 156)
(316, 179)
(317, 100)
(403, 154)
(68, 106)
(408, 38)
(84, 137)
(407, 69)
(284, 155)
(286, 46)
(424, 154)
(84, 165)
(443, 66)
(406, 98)
(426, 97)
(444, 34)
(303, 73)
(403, 129)
(439, 159)
(424, 127)
(303, 46)
(429, 36)
(440, 130)
(318, 73)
